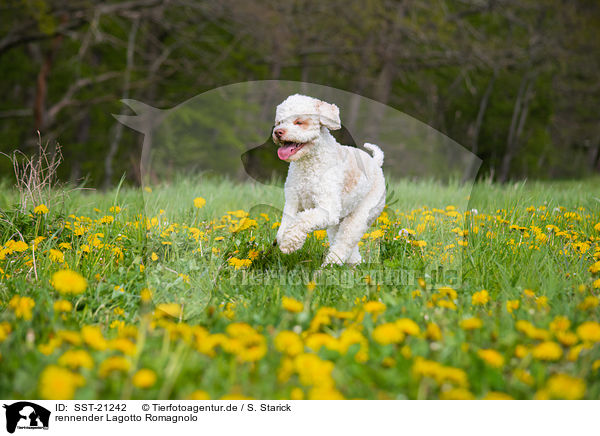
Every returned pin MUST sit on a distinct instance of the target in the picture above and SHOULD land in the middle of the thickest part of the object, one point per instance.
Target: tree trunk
(483, 105)
(82, 136)
(114, 145)
(517, 123)
(39, 107)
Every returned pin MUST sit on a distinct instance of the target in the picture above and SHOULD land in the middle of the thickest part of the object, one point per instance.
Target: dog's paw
(333, 258)
(292, 240)
(355, 258)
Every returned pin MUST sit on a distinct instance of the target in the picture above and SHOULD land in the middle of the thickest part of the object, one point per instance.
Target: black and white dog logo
(26, 415)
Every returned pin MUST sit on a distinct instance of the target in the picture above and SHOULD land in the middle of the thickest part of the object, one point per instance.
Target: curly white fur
(328, 185)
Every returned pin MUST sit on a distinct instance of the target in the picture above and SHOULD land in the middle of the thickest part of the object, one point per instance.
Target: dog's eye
(298, 122)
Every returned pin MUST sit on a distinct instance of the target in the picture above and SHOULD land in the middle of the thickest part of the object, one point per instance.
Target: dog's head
(298, 123)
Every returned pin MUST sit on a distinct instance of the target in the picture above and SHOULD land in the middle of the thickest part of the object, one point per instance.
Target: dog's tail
(377, 153)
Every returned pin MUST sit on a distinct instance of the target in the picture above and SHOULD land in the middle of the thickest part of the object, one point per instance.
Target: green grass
(186, 255)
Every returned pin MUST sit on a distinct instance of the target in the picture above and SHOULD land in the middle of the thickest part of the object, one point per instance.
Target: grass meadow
(176, 291)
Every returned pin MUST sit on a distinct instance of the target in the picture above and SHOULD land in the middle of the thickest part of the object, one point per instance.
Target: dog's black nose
(279, 132)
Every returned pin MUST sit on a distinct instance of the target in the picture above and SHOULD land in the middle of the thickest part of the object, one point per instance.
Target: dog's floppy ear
(329, 115)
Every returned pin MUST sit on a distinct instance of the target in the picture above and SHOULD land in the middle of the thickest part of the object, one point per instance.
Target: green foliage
(432, 61)
(184, 254)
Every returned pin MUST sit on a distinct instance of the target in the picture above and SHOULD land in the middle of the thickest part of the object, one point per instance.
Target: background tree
(515, 81)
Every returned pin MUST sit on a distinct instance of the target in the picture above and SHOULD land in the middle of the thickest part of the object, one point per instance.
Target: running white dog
(328, 185)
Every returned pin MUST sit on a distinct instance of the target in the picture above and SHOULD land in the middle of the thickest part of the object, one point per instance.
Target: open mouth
(288, 149)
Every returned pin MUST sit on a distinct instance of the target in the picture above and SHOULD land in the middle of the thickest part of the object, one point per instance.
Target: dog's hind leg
(331, 233)
(355, 258)
(353, 227)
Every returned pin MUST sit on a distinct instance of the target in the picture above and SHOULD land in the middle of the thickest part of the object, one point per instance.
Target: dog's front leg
(290, 210)
(308, 221)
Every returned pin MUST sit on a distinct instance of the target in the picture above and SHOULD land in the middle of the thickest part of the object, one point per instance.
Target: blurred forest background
(517, 82)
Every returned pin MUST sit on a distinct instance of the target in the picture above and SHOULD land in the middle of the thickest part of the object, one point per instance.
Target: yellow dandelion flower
(595, 268)
(324, 393)
(320, 234)
(75, 359)
(5, 330)
(41, 209)
(49, 347)
(374, 307)
(62, 306)
(198, 395)
(480, 298)
(113, 364)
(68, 282)
(408, 326)
(317, 340)
(548, 350)
(22, 306)
(456, 394)
(292, 305)
(406, 352)
(123, 345)
(440, 373)
(313, 371)
(289, 343)
(446, 304)
(560, 324)
(243, 224)
(56, 256)
(512, 305)
(235, 396)
(389, 333)
(524, 376)
(472, 323)
(164, 310)
(388, 362)
(589, 331)
(491, 357)
(240, 263)
(296, 394)
(144, 378)
(589, 302)
(58, 383)
(531, 331)
(199, 202)
(107, 219)
(566, 338)
(146, 295)
(92, 336)
(563, 386)
(542, 302)
(497, 396)
(521, 351)
(19, 246)
(433, 332)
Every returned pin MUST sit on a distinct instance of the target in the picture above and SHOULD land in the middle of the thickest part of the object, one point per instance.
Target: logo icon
(26, 415)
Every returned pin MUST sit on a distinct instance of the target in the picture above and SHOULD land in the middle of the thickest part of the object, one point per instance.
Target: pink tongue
(285, 152)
